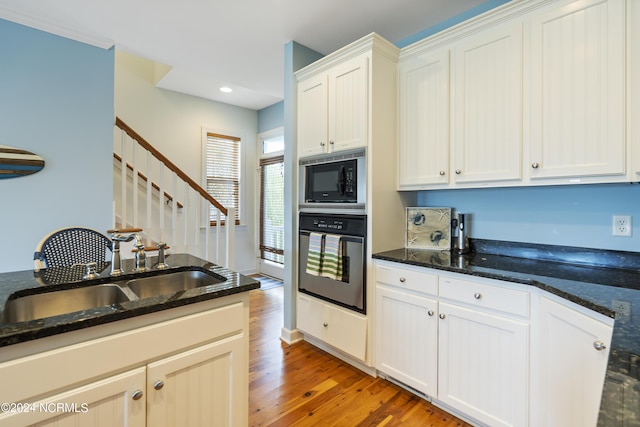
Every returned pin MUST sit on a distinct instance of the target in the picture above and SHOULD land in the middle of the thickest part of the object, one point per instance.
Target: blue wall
(578, 215)
(271, 117)
(56, 100)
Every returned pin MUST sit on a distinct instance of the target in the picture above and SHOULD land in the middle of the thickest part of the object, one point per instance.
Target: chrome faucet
(116, 257)
(141, 256)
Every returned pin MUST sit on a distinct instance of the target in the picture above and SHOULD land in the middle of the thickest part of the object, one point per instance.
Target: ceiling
(234, 43)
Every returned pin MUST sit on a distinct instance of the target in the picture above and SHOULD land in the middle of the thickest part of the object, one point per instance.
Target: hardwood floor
(300, 385)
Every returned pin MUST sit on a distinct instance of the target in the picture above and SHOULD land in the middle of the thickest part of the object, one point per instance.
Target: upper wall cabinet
(578, 90)
(487, 96)
(532, 93)
(424, 120)
(332, 109)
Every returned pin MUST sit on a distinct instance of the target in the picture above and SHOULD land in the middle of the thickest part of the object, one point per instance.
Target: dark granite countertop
(29, 282)
(589, 277)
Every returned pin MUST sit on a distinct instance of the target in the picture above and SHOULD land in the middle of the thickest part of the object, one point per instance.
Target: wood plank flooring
(300, 385)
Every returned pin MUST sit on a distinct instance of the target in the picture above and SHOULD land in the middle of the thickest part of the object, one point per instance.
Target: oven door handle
(354, 239)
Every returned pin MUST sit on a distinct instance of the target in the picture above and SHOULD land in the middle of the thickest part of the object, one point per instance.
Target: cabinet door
(483, 370)
(336, 326)
(207, 386)
(312, 116)
(424, 121)
(105, 403)
(487, 92)
(571, 371)
(348, 101)
(577, 90)
(407, 339)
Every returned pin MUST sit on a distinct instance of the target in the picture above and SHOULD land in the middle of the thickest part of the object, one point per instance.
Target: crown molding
(49, 27)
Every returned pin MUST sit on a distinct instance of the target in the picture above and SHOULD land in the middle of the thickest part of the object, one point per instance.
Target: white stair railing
(151, 193)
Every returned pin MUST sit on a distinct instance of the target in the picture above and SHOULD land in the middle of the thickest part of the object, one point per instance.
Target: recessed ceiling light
(226, 89)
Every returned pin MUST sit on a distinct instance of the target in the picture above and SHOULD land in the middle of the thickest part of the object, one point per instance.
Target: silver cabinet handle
(442, 173)
(431, 312)
(599, 345)
(402, 280)
(331, 142)
(477, 295)
(158, 385)
(321, 144)
(137, 395)
(325, 324)
(458, 171)
(535, 165)
(442, 315)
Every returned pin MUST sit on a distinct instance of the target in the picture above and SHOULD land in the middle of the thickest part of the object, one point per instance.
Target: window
(222, 164)
(272, 209)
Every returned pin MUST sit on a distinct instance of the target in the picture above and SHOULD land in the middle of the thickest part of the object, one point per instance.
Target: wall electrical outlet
(621, 225)
(622, 309)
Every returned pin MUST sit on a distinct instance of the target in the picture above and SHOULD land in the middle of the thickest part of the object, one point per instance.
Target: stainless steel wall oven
(348, 290)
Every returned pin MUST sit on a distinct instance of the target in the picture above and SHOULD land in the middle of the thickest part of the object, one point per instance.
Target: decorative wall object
(15, 162)
(428, 228)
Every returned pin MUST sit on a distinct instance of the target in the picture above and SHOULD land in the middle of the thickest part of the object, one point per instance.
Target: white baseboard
(290, 336)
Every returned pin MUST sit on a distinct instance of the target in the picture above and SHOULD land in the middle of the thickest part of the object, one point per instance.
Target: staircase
(153, 194)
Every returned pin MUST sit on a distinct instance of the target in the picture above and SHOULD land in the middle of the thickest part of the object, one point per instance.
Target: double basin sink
(54, 303)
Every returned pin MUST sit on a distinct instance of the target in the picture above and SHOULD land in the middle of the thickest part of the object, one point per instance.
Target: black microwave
(334, 182)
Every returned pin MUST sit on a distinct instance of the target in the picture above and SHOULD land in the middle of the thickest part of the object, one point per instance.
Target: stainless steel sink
(39, 306)
(171, 283)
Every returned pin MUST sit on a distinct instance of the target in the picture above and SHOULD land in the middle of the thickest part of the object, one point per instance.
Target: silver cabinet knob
(325, 324)
(535, 165)
(458, 171)
(599, 345)
(442, 315)
(321, 144)
(137, 395)
(402, 280)
(431, 312)
(477, 295)
(331, 142)
(158, 385)
(442, 173)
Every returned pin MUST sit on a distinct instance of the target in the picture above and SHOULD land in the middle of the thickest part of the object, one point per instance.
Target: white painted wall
(173, 122)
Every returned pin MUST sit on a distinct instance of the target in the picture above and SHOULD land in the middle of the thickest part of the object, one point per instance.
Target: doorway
(271, 204)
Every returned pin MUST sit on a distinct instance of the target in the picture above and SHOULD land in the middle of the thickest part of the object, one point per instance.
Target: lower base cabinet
(483, 365)
(572, 353)
(188, 371)
(490, 350)
(342, 329)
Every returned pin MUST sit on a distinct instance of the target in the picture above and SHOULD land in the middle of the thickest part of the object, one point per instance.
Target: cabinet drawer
(406, 278)
(338, 327)
(487, 296)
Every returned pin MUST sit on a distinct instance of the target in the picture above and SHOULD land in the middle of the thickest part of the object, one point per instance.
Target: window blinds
(223, 172)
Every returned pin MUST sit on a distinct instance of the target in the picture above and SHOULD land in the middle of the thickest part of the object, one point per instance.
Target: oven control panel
(354, 225)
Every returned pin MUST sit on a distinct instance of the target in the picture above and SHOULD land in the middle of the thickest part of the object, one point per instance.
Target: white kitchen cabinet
(633, 81)
(332, 109)
(104, 403)
(199, 353)
(572, 352)
(407, 327)
(483, 365)
(197, 387)
(577, 91)
(487, 105)
(341, 328)
(423, 149)
(463, 342)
